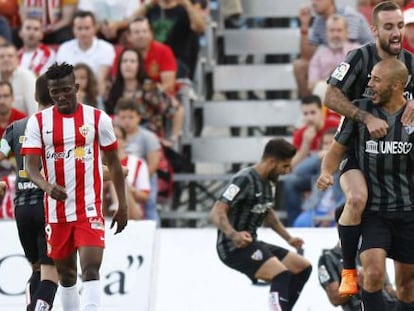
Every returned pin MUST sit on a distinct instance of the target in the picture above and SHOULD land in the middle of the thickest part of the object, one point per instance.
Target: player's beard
(386, 46)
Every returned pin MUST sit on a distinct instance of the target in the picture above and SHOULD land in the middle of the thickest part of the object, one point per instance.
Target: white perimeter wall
(168, 270)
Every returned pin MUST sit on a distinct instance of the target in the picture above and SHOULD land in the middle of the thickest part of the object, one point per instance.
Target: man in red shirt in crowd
(160, 65)
(307, 140)
(8, 114)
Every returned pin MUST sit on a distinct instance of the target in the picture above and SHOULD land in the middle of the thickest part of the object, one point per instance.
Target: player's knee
(405, 290)
(36, 266)
(373, 278)
(67, 277)
(306, 272)
(356, 200)
(90, 272)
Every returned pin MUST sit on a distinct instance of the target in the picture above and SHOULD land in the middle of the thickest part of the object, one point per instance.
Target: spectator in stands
(178, 24)
(88, 86)
(22, 80)
(307, 140)
(112, 16)
(327, 57)
(56, 17)
(7, 195)
(87, 48)
(319, 207)
(34, 55)
(408, 42)
(137, 180)
(160, 67)
(155, 105)
(142, 143)
(160, 62)
(8, 113)
(311, 38)
(330, 265)
(5, 30)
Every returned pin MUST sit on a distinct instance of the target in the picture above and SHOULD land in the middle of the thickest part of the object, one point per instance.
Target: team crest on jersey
(409, 129)
(257, 255)
(84, 130)
(22, 139)
(323, 274)
(231, 191)
(341, 71)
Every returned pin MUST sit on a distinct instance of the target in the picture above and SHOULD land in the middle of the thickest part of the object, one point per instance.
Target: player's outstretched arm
(114, 165)
(330, 164)
(274, 222)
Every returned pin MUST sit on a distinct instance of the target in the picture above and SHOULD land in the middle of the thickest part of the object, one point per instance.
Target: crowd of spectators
(129, 56)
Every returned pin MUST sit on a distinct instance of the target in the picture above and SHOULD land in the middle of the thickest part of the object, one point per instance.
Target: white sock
(70, 298)
(274, 302)
(91, 295)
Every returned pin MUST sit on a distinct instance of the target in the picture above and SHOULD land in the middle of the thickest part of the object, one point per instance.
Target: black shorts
(249, 259)
(349, 163)
(392, 232)
(30, 220)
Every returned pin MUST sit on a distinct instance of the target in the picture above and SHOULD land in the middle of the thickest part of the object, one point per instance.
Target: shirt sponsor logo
(261, 208)
(388, 147)
(231, 191)
(26, 185)
(341, 71)
(78, 153)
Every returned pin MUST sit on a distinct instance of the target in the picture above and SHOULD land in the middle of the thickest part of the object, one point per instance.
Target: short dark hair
(42, 92)
(383, 6)
(140, 19)
(312, 99)
(59, 71)
(7, 83)
(279, 148)
(83, 14)
(125, 103)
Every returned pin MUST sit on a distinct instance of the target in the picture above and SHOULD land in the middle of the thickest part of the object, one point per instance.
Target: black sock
(349, 236)
(297, 281)
(402, 306)
(373, 301)
(45, 293)
(280, 285)
(32, 285)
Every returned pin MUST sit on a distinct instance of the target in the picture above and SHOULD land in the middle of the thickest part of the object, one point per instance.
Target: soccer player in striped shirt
(67, 140)
(387, 165)
(349, 82)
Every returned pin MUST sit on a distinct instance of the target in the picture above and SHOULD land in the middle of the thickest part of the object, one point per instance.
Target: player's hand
(56, 192)
(324, 181)
(310, 133)
(377, 127)
(296, 242)
(120, 218)
(407, 119)
(305, 16)
(241, 239)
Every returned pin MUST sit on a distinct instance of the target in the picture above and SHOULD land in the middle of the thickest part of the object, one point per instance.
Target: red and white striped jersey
(39, 60)
(138, 175)
(70, 149)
